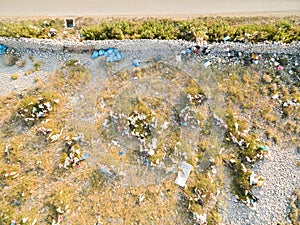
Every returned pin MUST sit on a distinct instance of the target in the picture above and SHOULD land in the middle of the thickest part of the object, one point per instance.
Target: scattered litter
(256, 180)
(183, 173)
(2, 49)
(200, 218)
(136, 62)
(111, 54)
(207, 64)
(279, 68)
(35, 111)
(85, 156)
(71, 148)
(52, 32)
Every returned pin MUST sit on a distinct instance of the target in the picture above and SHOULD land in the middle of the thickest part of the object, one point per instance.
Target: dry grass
(33, 185)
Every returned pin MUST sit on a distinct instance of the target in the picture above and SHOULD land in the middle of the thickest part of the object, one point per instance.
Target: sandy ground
(170, 8)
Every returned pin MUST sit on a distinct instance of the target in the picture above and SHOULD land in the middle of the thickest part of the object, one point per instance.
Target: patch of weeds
(139, 120)
(20, 63)
(97, 179)
(20, 190)
(14, 76)
(238, 132)
(60, 204)
(11, 59)
(37, 65)
(35, 107)
(71, 152)
(213, 216)
(240, 178)
(6, 214)
(194, 93)
(71, 77)
(295, 207)
(200, 196)
(28, 72)
(31, 58)
(72, 63)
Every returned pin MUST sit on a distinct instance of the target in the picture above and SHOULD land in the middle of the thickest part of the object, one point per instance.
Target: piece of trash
(2, 49)
(226, 39)
(275, 96)
(254, 56)
(120, 153)
(279, 68)
(24, 220)
(264, 148)
(188, 50)
(200, 218)
(136, 62)
(85, 156)
(183, 173)
(178, 58)
(141, 198)
(147, 162)
(207, 64)
(151, 152)
(95, 54)
(98, 221)
(256, 180)
(111, 54)
(6, 150)
(52, 32)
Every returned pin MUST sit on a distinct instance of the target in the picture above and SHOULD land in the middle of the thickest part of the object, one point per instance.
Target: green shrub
(14, 76)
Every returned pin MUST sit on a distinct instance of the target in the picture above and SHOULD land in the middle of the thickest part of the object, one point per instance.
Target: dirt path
(187, 8)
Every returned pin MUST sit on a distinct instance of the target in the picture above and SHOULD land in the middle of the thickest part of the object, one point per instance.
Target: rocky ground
(280, 170)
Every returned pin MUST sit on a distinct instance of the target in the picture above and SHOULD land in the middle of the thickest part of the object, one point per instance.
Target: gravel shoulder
(280, 171)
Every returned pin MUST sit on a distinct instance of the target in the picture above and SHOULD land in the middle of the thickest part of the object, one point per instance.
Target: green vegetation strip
(212, 29)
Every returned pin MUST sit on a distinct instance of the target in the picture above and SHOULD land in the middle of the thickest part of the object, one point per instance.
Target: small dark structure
(69, 23)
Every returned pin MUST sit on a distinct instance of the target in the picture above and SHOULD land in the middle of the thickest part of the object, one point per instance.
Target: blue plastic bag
(136, 62)
(2, 49)
(95, 54)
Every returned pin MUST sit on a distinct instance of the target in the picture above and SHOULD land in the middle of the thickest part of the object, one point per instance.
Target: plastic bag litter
(136, 62)
(183, 173)
(2, 49)
(85, 156)
(95, 55)
(111, 54)
(207, 64)
(226, 39)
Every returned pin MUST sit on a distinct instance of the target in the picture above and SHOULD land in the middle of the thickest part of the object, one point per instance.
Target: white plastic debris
(200, 218)
(207, 64)
(256, 180)
(178, 58)
(183, 173)
(275, 96)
